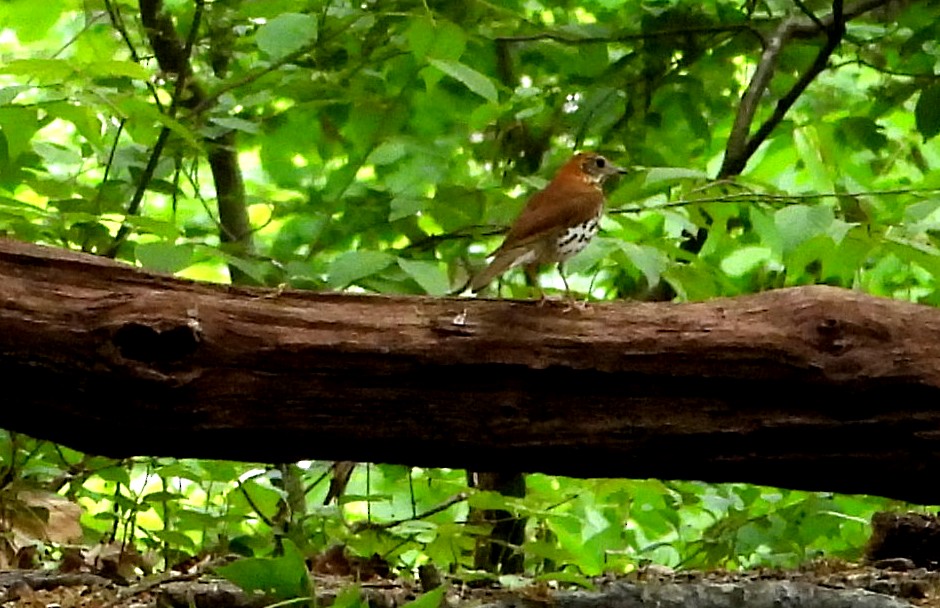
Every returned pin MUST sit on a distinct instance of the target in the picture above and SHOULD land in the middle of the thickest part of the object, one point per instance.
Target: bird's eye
(600, 161)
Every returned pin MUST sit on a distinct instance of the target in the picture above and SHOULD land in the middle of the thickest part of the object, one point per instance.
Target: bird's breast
(575, 238)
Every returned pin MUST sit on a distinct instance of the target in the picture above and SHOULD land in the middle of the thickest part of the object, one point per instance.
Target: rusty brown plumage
(557, 222)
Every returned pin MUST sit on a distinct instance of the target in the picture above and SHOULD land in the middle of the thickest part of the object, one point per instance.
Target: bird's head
(591, 167)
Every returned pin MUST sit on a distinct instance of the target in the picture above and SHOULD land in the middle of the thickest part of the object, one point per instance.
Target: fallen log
(811, 387)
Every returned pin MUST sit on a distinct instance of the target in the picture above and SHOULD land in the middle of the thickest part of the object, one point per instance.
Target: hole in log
(144, 343)
(832, 335)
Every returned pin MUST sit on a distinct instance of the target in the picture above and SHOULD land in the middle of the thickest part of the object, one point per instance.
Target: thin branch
(888, 71)
(741, 145)
(146, 177)
(117, 21)
(772, 198)
(182, 79)
(453, 500)
(172, 58)
(810, 14)
(833, 38)
(113, 151)
(78, 34)
(668, 33)
(737, 140)
(251, 503)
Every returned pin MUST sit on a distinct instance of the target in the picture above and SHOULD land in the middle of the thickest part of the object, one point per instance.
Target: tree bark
(812, 387)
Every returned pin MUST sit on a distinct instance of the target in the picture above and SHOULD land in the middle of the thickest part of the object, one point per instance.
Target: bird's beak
(615, 170)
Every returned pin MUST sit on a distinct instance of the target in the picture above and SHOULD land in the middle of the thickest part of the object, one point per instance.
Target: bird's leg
(532, 273)
(561, 272)
(571, 299)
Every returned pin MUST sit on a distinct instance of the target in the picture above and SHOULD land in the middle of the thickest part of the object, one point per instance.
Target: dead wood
(811, 387)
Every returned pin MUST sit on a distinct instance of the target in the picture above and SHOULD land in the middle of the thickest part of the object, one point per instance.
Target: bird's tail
(503, 261)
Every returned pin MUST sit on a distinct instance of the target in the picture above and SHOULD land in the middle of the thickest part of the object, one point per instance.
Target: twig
(741, 145)
(456, 498)
(183, 72)
(113, 151)
(667, 33)
(812, 16)
(772, 198)
(888, 71)
(251, 503)
(77, 35)
(114, 14)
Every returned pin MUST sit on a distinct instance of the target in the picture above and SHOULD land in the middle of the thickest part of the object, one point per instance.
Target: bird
(556, 223)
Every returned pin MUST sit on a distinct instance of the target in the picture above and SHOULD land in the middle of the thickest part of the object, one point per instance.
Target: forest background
(383, 147)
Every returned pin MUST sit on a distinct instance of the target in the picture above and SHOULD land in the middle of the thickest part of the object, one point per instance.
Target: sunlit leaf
(354, 265)
(235, 123)
(431, 599)
(43, 70)
(658, 175)
(744, 260)
(472, 79)
(111, 69)
(286, 34)
(164, 257)
(429, 275)
(798, 223)
(280, 578)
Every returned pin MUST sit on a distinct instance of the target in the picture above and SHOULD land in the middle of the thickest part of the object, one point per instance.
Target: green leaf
(161, 496)
(17, 126)
(406, 206)
(439, 39)
(115, 474)
(659, 175)
(431, 599)
(43, 71)
(927, 112)
(174, 538)
(281, 578)
(420, 35)
(354, 265)
(648, 260)
(236, 124)
(135, 109)
(487, 500)
(163, 256)
(387, 152)
(798, 223)
(286, 34)
(473, 80)
(429, 275)
(861, 131)
(114, 68)
(742, 261)
(31, 20)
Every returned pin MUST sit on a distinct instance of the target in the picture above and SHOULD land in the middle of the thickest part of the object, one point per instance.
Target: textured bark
(812, 387)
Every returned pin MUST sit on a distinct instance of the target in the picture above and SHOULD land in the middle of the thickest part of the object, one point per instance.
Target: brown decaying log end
(810, 387)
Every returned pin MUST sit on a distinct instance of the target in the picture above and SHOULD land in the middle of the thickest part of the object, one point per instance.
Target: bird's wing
(552, 211)
(546, 216)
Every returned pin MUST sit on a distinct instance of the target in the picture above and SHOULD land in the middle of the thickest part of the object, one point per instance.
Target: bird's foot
(573, 303)
(570, 302)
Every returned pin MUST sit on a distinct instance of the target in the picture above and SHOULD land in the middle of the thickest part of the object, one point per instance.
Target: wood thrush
(556, 223)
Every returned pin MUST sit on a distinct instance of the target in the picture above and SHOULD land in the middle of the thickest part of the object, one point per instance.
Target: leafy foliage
(383, 146)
